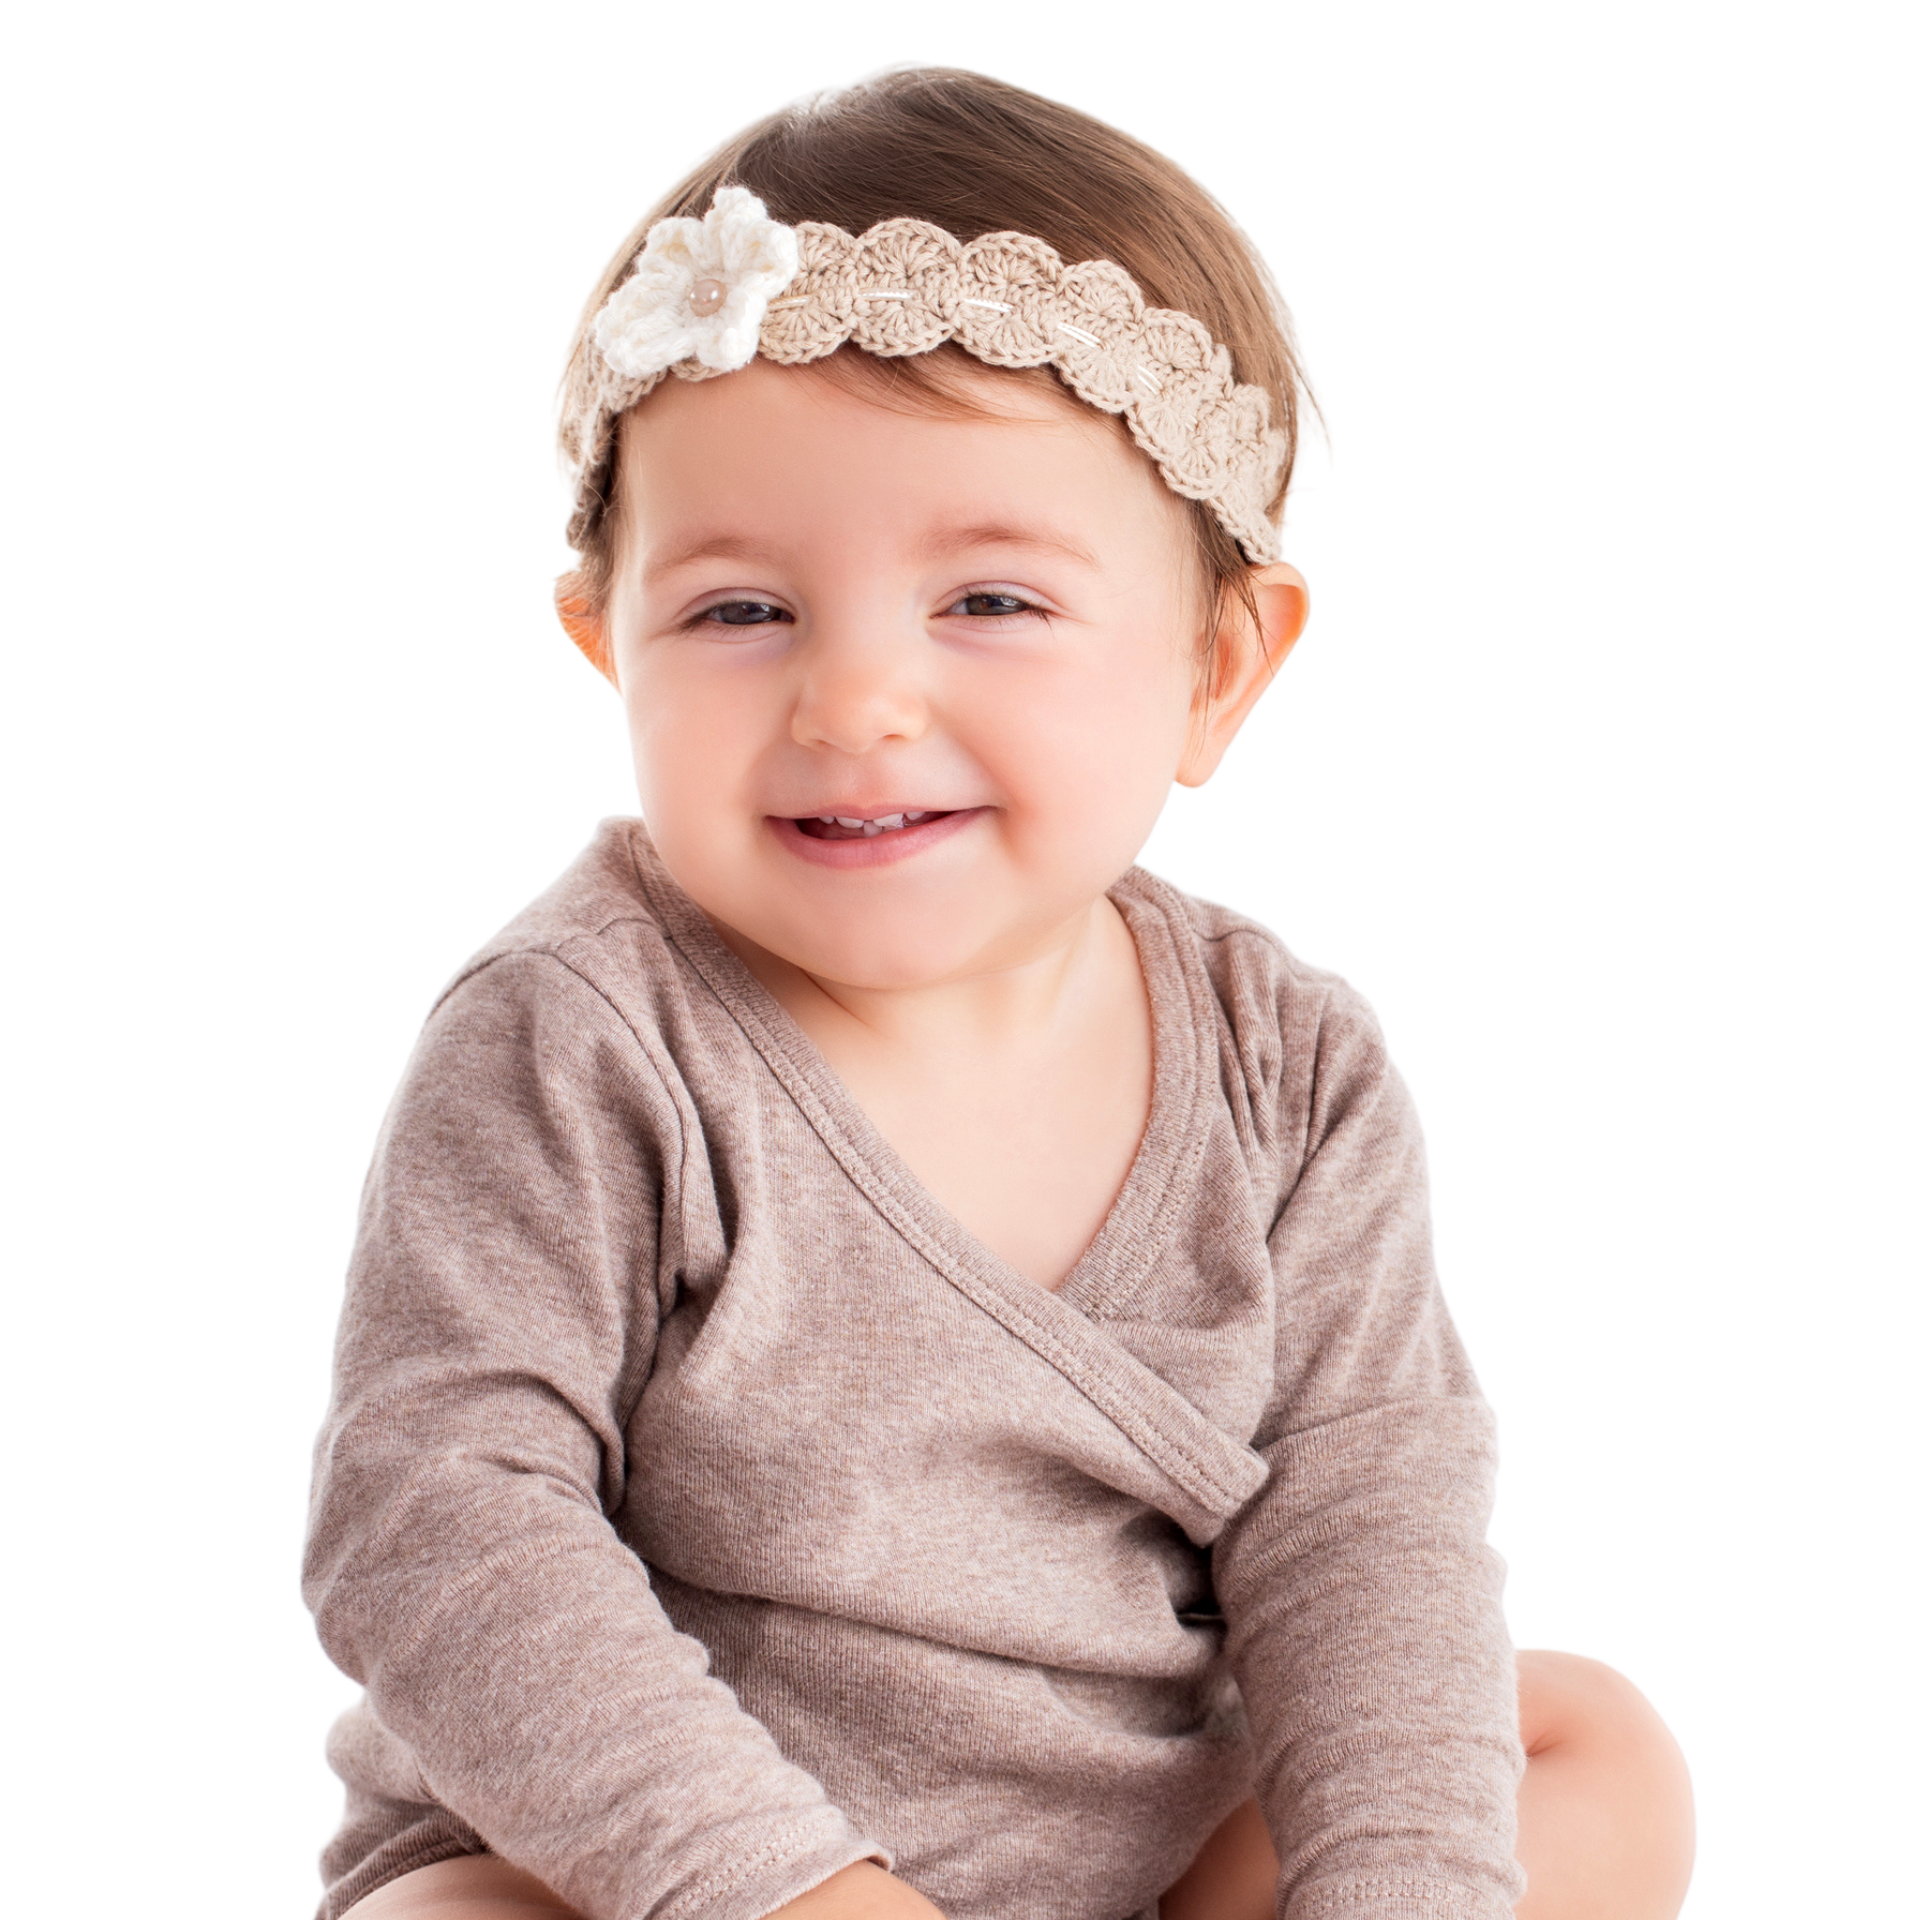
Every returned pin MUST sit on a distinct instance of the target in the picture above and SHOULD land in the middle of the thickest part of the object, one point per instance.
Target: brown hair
(974, 156)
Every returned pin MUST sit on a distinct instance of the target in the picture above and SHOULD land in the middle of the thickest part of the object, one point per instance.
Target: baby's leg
(1606, 1826)
(1235, 1876)
(1606, 1808)
(477, 1886)
(1606, 1811)
(481, 1887)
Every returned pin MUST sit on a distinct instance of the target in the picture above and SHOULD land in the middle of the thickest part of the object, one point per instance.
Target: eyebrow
(944, 545)
(990, 533)
(719, 546)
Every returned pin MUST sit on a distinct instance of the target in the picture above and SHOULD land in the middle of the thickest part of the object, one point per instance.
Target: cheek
(684, 713)
(692, 741)
(1095, 741)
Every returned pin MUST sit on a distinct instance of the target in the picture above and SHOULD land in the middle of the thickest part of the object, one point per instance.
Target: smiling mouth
(846, 826)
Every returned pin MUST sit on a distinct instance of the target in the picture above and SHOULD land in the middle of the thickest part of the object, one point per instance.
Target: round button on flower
(708, 296)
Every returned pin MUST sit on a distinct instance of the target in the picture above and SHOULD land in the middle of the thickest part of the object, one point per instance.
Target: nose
(859, 690)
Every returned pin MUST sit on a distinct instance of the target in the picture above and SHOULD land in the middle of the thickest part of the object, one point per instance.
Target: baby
(893, 1365)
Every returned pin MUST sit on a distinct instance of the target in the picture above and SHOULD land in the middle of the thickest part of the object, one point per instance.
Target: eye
(743, 613)
(988, 605)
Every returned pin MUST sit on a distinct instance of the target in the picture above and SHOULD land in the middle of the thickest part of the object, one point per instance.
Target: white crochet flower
(699, 291)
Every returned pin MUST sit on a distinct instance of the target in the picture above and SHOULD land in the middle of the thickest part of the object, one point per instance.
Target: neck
(995, 1010)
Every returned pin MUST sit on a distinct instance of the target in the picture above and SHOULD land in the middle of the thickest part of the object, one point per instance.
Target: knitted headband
(705, 295)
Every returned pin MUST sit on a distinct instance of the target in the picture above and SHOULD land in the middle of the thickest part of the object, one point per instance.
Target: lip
(883, 850)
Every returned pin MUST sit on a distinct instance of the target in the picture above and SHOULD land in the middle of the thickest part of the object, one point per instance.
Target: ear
(585, 628)
(1248, 650)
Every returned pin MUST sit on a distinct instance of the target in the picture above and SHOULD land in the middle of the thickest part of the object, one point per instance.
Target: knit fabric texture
(904, 287)
(703, 1508)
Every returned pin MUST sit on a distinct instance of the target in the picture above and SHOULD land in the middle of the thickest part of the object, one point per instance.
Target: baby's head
(977, 552)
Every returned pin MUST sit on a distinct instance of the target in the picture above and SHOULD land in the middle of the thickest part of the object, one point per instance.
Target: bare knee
(1568, 1700)
(1606, 1807)
(477, 1886)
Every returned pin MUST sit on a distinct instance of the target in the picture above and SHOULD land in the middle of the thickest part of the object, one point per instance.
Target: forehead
(837, 454)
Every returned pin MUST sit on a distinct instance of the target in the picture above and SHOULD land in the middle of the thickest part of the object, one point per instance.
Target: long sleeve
(500, 1322)
(1361, 1598)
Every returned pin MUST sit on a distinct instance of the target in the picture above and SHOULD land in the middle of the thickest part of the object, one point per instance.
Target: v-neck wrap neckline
(1216, 1472)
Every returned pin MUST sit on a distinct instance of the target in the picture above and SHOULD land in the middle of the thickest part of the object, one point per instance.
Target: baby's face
(906, 692)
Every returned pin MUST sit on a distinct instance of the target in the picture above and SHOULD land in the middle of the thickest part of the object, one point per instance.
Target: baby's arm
(1362, 1602)
(499, 1323)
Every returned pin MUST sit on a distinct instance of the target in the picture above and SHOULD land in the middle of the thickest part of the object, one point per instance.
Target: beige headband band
(706, 295)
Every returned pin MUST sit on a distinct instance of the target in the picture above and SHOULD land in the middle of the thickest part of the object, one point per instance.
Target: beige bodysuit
(704, 1509)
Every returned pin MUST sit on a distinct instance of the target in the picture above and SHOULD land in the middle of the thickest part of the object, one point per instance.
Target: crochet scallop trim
(905, 286)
